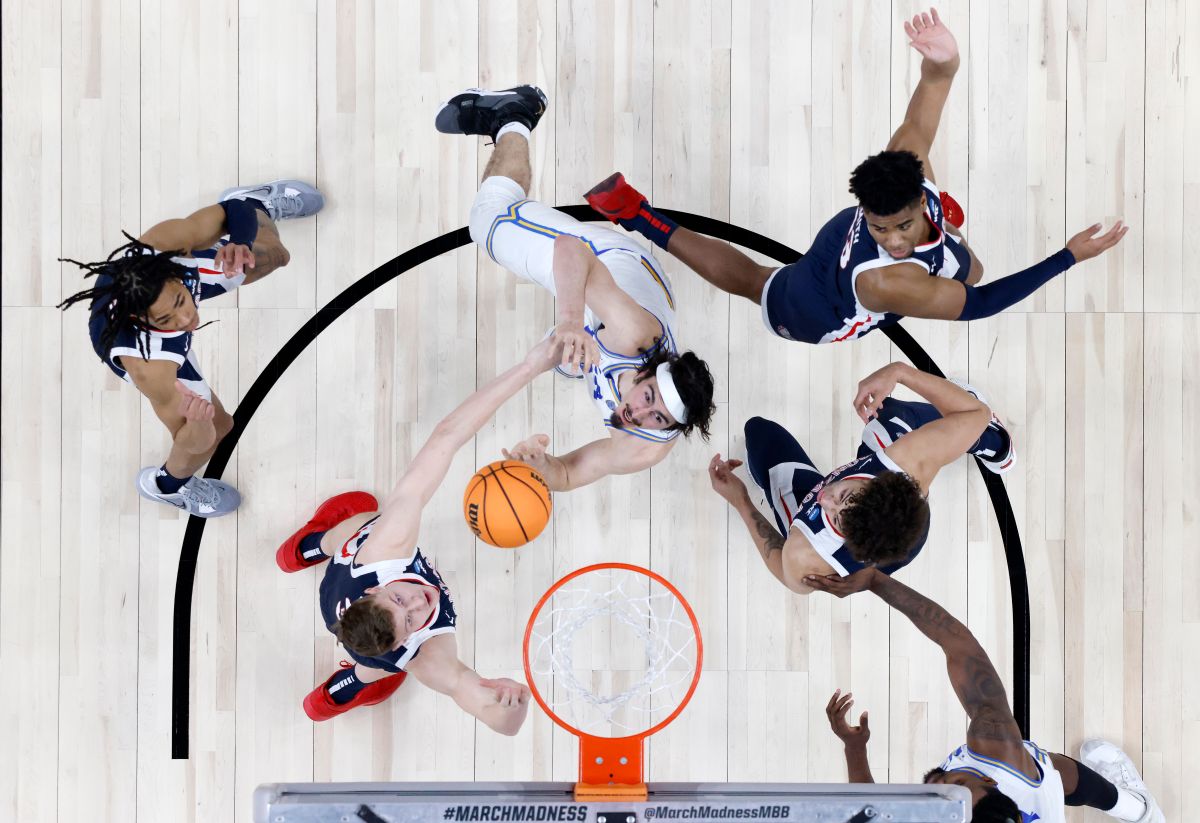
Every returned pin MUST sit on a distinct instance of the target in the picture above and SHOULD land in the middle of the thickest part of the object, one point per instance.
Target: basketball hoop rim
(667, 584)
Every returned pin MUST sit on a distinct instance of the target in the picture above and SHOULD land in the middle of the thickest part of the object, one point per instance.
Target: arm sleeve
(241, 220)
(995, 297)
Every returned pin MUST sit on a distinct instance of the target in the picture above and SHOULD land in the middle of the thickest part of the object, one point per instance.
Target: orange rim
(687, 607)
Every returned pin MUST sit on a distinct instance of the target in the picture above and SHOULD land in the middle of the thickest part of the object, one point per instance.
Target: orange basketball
(507, 504)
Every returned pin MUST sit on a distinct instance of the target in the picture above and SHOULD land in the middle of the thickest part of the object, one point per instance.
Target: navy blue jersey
(164, 345)
(345, 582)
(820, 532)
(814, 300)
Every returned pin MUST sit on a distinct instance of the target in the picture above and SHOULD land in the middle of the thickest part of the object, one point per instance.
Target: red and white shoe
(615, 199)
(319, 705)
(952, 211)
(328, 514)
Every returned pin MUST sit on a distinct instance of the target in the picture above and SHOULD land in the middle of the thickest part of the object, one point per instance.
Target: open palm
(929, 35)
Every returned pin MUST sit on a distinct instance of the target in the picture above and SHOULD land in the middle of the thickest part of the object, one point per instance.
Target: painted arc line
(194, 532)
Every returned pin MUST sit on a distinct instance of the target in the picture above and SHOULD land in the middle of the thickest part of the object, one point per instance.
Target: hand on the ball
(531, 450)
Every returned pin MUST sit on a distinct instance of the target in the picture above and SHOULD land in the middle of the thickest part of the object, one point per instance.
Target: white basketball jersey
(1039, 800)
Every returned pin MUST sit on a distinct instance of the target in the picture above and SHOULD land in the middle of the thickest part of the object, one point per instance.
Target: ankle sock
(344, 686)
(169, 483)
(513, 127)
(651, 224)
(310, 546)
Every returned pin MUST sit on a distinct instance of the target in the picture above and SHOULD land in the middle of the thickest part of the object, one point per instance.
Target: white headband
(670, 394)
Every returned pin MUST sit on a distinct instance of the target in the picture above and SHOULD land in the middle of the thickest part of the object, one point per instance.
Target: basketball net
(613, 654)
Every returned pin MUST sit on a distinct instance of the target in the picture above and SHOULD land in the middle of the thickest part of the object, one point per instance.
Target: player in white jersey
(382, 597)
(145, 306)
(615, 308)
(1010, 779)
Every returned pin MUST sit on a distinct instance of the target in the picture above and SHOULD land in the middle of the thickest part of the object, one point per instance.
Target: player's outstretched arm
(500, 703)
(993, 730)
(929, 36)
(790, 559)
(579, 278)
(908, 290)
(201, 229)
(854, 738)
(396, 532)
(616, 454)
(924, 452)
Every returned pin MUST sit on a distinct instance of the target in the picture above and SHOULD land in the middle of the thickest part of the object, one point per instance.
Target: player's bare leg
(510, 159)
(715, 260)
(269, 252)
(720, 264)
(194, 442)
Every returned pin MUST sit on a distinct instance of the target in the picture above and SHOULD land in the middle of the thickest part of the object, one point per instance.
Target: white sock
(513, 128)
(1129, 806)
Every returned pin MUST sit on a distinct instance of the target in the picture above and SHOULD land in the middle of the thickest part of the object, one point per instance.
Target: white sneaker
(200, 496)
(283, 199)
(1114, 765)
(995, 463)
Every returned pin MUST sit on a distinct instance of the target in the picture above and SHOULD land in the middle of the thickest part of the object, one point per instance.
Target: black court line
(294, 347)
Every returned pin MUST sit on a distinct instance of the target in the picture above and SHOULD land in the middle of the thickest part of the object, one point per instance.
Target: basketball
(507, 504)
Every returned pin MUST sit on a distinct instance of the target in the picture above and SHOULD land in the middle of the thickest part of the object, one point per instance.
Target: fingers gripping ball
(507, 504)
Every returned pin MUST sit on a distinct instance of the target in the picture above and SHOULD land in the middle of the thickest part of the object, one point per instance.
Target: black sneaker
(483, 112)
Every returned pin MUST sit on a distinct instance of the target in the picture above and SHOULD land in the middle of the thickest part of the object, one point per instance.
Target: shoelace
(201, 492)
(286, 205)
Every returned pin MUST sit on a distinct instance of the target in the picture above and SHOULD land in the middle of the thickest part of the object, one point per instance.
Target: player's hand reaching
(579, 349)
(929, 35)
(1087, 244)
(544, 356)
(840, 586)
(232, 259)
(724, 481)
(192, 406)
(874, 389)
(509, 693)
(531, 450)
(836, 710)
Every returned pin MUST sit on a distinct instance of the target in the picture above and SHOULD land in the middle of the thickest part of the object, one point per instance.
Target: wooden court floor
(119, 114)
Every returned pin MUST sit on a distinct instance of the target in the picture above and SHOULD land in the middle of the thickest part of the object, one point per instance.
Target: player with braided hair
(872, 511)
(144, 306)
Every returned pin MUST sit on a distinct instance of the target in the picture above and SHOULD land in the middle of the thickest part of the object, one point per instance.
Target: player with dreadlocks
(145, 306)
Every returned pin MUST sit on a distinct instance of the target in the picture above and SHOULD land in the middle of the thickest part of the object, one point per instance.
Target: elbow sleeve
(995, 297)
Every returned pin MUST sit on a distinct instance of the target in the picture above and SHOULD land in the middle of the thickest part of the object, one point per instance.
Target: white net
(613, 652)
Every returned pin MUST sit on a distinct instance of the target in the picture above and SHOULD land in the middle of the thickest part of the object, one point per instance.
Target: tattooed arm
(993, 730)
(788, 559)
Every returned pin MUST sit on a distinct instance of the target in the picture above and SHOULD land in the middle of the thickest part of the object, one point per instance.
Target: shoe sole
(607, 186)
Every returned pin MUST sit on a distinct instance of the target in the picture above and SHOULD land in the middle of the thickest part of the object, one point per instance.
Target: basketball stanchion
(612, 654)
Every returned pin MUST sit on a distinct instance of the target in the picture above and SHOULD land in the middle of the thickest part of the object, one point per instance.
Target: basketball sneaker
(283, 199)
(328, 514)
(1114, 765)
(200, 496)
(483, 112)
(624, 205)
(952, 211)
(999, 461)
(319, 704)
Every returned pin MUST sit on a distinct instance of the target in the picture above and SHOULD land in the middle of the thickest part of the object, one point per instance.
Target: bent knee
(494, 198)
